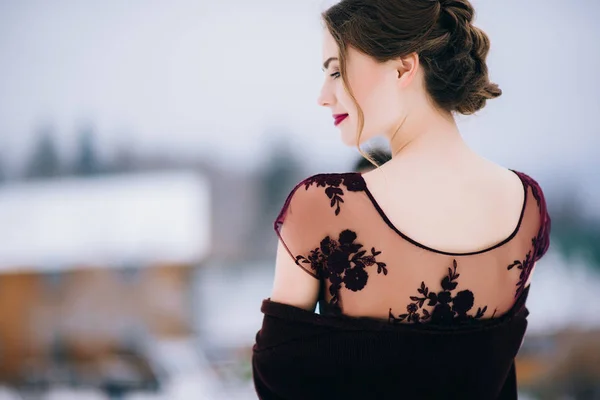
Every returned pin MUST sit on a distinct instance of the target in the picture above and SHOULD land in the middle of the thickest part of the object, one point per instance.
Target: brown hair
(451, 49)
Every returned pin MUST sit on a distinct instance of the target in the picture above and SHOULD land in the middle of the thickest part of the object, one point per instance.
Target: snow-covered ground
(184, 387)
(228, 303)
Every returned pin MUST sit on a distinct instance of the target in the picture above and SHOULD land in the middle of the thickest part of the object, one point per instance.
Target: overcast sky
(188, 76)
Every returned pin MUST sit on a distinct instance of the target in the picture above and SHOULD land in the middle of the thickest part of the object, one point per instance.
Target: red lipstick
(338, 118)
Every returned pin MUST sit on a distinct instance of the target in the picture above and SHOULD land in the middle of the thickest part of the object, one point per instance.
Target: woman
(420, 267)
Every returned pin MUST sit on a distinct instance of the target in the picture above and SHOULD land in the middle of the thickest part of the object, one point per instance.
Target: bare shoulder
(475, 175)
(499, 182)
(498, 193)
(461, 206)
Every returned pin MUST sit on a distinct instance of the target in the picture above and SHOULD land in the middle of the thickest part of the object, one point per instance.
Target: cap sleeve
(541, 241)
(307, 218)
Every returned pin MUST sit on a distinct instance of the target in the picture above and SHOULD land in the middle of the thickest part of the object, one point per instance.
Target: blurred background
(147, 146)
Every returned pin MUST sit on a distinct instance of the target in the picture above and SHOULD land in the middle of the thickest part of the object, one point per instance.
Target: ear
(407, 67)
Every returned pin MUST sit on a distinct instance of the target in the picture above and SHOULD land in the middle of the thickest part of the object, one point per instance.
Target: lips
(338, 118)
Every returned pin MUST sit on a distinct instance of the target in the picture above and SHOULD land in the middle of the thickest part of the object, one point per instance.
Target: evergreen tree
(278, 178)
(2, 173)
(87, 162)
(44, 161)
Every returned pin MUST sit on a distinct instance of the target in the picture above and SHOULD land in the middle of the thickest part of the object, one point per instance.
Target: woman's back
(399, 319)
(369, 265)
(451, 200)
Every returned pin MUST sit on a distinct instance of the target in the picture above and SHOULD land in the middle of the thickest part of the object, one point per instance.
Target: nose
(326, 97)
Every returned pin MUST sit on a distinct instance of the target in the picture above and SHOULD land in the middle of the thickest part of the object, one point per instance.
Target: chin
(349, 137)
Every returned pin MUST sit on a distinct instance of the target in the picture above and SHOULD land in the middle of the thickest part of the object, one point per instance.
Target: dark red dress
(398, 319)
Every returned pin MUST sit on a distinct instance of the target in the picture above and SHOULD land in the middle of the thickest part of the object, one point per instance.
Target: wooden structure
(90, 269)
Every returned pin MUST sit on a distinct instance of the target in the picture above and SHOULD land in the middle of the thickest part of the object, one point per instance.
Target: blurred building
(94, 273)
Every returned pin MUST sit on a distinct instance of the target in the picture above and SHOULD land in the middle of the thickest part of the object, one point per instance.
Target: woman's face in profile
(374, 85)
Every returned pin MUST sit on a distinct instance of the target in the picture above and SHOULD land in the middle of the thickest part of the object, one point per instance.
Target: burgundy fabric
(398, 319)
(302, 355)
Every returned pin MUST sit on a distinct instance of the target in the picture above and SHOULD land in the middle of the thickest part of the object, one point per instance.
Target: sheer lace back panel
(333, 228)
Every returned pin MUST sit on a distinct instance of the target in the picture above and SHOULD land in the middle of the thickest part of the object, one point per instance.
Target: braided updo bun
(451, 49)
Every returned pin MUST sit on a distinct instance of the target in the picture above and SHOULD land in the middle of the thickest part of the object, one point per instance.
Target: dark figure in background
(380, 157)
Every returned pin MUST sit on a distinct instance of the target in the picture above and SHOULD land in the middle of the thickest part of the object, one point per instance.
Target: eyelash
(335, 75)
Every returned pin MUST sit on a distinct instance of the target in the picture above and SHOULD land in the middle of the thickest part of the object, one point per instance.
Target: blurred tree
(278, 177)
(87, 162)
(44, 161)
(124, 160)
(275, 180)
(573, 232)
(2, 173)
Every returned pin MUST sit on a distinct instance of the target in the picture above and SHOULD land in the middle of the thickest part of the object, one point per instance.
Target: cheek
(376, 102)
(344, 99)
(384, 106)
(364, 89)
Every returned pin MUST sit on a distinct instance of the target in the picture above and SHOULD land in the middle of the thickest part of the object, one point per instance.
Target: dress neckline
(448, 253)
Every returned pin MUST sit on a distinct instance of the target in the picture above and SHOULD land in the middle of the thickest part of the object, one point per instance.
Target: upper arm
(304, 221)
(293, 285)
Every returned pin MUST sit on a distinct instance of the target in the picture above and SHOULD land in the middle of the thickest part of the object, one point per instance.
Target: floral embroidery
(540, 242)
(525, 267)
(342, 262)
(447, 308)
(353, 182)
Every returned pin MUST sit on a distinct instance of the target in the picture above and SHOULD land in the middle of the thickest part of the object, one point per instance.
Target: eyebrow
(326, 63)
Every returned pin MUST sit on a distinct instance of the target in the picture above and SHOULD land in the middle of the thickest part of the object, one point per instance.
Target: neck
(429, 135)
